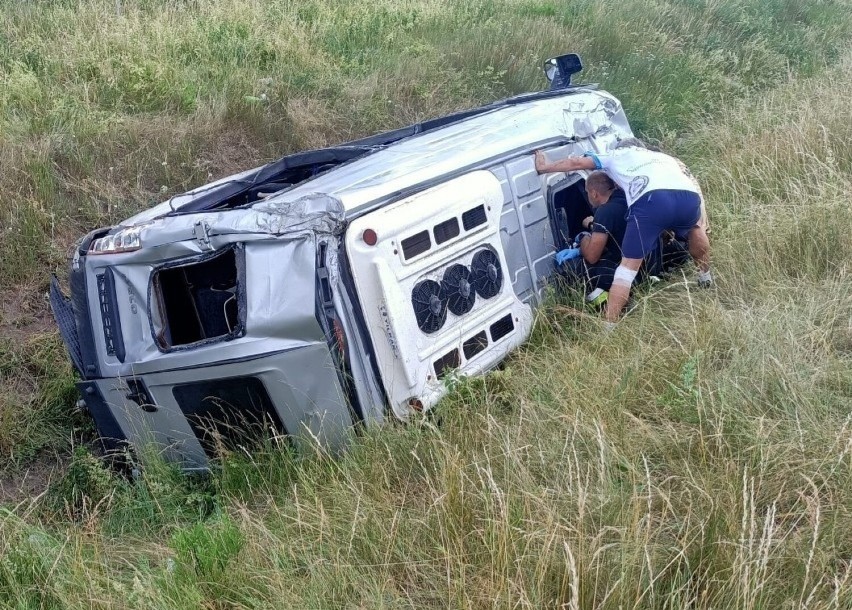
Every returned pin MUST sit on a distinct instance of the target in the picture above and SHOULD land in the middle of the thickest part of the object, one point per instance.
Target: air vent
(474, 345)
(113, 338)
(446, 230)
(460, 293)
(486, 274)
(416, 244)
(474, 217)
(502, 327)
(430, 305)
(447, 363)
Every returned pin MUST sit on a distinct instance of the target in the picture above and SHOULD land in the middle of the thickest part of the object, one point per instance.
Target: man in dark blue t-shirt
(600, 245)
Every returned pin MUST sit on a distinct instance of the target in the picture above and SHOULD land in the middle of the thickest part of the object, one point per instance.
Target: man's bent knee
(624, 275)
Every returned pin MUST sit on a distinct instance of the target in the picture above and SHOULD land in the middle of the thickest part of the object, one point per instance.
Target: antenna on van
(559, 70)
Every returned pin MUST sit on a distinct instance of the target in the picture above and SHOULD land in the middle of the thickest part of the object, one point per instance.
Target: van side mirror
(559, 70)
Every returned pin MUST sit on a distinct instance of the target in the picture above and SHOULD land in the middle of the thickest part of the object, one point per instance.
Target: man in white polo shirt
(661, 196)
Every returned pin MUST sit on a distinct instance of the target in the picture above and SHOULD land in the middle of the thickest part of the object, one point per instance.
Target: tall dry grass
(700, 456)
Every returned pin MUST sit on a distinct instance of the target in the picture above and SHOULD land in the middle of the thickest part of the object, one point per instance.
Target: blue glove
(567, 255)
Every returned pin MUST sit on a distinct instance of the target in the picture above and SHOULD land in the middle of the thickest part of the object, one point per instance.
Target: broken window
(197, 301)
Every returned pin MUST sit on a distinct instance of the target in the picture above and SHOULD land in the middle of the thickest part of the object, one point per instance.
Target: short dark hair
(600, 182)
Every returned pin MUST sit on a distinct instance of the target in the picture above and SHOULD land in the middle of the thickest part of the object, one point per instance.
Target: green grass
(698, 456)
(105, 112)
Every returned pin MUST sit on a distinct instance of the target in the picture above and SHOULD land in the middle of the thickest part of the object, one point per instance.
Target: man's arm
(569, 164)
(593, 246)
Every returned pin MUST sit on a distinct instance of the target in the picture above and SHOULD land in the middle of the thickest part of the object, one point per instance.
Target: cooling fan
(430, 305)
(486, 274)
(460, 293)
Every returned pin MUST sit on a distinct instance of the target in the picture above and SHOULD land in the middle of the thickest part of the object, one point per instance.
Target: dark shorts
(655, 212)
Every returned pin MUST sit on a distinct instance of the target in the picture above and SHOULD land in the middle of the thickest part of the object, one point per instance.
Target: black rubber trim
(110, 318)
(320, 160)
(83, 318)
(389, 137)
(63, 313)
(325, 315)
(313, 161)
(358, 318)
(110, 434)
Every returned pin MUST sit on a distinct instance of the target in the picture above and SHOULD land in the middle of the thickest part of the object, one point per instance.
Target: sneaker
(597, 298)
(705, 283)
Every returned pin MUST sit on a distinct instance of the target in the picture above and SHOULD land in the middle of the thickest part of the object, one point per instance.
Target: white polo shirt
(638, 171)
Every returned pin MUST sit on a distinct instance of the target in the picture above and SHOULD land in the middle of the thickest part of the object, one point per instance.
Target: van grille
(113, 339)
(475, 345)
(416, 244)
(502, 327)
(447, 363)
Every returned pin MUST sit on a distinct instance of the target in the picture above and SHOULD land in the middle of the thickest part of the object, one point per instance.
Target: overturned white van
(331, 287)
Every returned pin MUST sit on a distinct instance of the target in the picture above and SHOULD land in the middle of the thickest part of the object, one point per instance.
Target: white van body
(332, 287)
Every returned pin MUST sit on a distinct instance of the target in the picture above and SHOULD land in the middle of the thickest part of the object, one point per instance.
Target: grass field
(699, 456)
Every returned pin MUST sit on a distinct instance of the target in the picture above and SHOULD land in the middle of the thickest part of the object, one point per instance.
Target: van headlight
(124, 240)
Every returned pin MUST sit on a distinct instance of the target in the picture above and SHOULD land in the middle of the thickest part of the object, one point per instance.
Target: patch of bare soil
(24, 311)
(31, 481)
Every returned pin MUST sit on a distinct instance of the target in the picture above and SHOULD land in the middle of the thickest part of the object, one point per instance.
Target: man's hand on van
(566, 255)
(569, 164)
(540, 162)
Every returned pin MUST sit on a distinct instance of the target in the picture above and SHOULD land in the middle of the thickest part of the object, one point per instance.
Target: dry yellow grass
(699, 456)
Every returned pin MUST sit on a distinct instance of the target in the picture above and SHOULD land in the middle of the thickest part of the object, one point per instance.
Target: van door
(525, 228)
(436, 287)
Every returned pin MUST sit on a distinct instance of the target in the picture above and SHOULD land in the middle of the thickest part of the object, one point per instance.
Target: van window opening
(568, 207)
(197, 301)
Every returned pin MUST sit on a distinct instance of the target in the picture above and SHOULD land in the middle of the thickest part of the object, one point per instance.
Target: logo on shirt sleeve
(637, 185)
